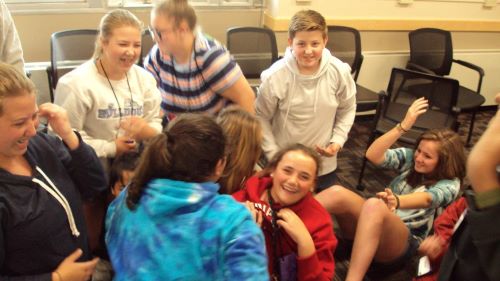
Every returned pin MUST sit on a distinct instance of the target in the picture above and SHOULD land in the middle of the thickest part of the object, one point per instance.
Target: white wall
(387, 9)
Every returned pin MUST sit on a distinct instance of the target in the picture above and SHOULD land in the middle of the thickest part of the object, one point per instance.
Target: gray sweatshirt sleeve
(266, 105)
(346, 111)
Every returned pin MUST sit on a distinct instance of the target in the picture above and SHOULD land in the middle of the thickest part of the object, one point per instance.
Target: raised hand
(59, 123)
(328, 151)
(417, 108)
(71, 270)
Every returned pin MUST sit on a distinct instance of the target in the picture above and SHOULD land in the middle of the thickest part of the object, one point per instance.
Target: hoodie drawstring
(52, 190)
(316, 94)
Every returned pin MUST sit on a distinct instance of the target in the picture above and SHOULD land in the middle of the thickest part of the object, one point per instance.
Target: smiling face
(307, 47)
(293, 178)
(122, 49)
(426, 157)
(18, 124)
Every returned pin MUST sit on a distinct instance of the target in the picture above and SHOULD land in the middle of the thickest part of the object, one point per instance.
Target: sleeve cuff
(156, 126)
(488, 199)
(307, 267)
(338, 140)
(109, 149)
(80, 141)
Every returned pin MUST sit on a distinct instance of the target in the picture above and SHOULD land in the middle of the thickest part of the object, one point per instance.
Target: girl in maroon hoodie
(299, 234)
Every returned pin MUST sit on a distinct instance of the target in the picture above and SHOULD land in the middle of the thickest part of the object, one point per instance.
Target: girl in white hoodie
(307, 97)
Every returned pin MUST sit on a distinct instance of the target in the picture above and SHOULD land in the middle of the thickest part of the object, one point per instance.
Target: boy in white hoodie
(307, 97)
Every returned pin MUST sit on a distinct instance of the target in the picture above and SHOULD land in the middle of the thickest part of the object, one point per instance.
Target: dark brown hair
(125, 162)
(188, 150)
(451, 158)
(178, 10)
(273, 163)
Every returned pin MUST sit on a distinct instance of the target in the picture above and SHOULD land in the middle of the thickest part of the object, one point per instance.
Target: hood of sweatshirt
(291, 63)
(164, 197)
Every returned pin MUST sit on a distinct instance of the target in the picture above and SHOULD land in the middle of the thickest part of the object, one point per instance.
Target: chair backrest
(431, 48)
(253, 48)
(345, 44)
(70, 48)
(405, 86)
(147, 42)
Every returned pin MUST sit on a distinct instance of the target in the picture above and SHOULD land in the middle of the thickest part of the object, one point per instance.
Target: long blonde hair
(244, 139)
(111, 21)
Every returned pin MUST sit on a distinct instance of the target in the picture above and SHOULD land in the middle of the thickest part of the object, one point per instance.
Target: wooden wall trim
(281, 24)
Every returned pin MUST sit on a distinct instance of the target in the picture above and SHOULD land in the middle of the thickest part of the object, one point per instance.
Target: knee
(334, 199)
(374, 209)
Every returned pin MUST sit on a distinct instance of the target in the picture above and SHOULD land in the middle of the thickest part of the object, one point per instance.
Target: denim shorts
(378, 268)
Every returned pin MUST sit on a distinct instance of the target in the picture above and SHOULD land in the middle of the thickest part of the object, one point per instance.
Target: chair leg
(360, 186)
(50, 82)
(471, 127)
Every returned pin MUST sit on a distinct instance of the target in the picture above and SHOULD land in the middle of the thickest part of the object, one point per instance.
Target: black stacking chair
(254, 49)
(345, 44)
(431, 51)
(441, 92)
(68, 49)
(147, 42)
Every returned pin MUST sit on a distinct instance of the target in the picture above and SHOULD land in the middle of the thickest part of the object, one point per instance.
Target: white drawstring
(60, 198)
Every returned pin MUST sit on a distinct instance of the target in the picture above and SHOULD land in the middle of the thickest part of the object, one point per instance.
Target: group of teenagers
(176, 146)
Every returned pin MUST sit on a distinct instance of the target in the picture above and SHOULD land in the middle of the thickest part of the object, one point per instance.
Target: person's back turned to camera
(171, 224)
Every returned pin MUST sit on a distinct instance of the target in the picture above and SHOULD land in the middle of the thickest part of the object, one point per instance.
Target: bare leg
(345, 205)
(380, 235)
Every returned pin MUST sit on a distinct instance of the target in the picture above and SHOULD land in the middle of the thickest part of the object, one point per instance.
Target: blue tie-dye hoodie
(184, 231)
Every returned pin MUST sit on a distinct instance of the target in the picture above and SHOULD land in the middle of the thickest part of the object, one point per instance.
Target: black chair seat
(365, 99)
(468, 99)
